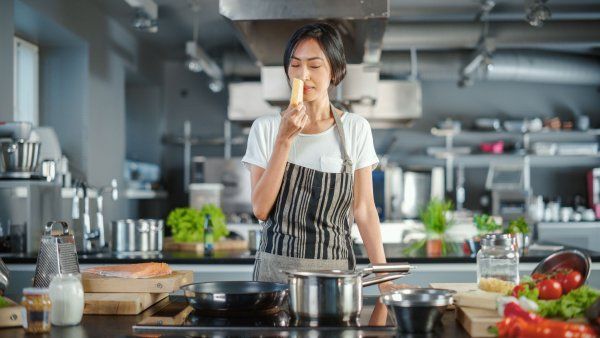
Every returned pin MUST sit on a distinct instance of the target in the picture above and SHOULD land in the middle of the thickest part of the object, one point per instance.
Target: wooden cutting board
(120, 303)
(477, 321)
(173, 313)
(11, 315)
(164, 284)
(198, 247)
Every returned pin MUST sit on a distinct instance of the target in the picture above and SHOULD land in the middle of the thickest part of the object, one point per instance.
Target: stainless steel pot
(335, 295)
(19, 156)
(156, 234)
(140, 235)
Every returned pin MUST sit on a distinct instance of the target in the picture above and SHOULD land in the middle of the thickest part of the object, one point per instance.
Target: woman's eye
(315, 67)
(294, 65)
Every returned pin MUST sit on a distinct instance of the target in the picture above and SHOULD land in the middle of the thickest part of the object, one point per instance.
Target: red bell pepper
(518, 327)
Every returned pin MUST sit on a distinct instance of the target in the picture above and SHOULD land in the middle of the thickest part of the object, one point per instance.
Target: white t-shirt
(320, 151)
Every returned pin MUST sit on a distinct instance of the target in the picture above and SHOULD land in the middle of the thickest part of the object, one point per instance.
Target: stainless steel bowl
(417, 310)
(19, 156)
(566, 259)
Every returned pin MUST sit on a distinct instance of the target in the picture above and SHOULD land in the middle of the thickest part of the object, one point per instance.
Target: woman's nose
(305, 75)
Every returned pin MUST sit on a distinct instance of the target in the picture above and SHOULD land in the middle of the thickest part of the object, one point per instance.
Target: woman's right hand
(293, 120)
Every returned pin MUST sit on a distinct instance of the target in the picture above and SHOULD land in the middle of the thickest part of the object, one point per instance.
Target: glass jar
(66, 294)
(36, 311)
(498, 259)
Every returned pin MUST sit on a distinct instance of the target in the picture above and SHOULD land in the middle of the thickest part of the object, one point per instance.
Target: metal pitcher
(57, 254)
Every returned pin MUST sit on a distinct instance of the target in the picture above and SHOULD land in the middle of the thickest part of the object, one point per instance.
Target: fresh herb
(518, 226)
(486, 224)
(187, 224)
(434, 217)
(5, 302)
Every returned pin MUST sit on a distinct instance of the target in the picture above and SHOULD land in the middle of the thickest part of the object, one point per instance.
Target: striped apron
(309, 225)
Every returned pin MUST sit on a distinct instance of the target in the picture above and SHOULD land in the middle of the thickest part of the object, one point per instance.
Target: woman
(311, 169)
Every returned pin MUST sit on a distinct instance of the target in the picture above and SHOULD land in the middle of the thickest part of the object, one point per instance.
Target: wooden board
(163, 284)
(458, 287)
(477, 321)
(198, 247)
(11, 315)
(173, 313)
(120, 303)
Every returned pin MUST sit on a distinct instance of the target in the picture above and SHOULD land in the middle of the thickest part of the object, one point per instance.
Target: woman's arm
(365, 215)
(265, 183)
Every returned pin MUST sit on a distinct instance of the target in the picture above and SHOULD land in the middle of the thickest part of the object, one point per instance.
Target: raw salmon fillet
(139, 270)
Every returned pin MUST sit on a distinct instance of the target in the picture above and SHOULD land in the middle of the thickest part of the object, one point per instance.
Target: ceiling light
(193, 65)
(146, 15)
(537, 13)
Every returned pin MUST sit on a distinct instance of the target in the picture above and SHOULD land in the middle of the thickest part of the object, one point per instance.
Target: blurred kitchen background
(494, 105)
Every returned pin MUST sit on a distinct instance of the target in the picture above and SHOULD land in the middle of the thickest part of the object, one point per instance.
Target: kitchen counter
(394, 253)
(453, 267)
(378, 323)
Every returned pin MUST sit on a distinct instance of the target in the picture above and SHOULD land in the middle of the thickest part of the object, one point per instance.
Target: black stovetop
(178, 316)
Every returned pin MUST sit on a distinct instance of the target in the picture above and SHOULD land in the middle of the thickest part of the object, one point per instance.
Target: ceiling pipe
(446, 35)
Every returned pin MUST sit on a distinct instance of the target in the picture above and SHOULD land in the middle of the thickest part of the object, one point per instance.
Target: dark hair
(331, 43)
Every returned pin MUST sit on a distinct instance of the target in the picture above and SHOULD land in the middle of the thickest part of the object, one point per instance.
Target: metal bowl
(19, 156)
(418, 310)
(566, 259)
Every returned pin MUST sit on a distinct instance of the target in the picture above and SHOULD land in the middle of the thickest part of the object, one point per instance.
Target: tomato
(549, 289)
(538, 276)
(570, 281)
(517, 289)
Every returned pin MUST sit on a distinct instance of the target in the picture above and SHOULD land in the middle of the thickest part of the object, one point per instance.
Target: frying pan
(236, 296)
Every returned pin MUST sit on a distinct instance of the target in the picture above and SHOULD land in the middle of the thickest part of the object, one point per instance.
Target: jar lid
(36, 291)
(498, 240)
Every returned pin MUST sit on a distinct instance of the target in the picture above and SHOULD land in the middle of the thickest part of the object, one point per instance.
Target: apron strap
(347, 165)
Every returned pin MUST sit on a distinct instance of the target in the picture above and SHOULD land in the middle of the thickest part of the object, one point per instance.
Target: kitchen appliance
(25, 206)
(236, 297)
(402, 194)
(142, 235)
(234, 178)
(418, 310)
(510, 189)
(57, 254)
(374, 322)
(335, 294)
(593, 184)
(418, 188)
(19, 159)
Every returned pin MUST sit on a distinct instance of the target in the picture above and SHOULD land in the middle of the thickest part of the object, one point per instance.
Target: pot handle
(388, 267)
(383, 278)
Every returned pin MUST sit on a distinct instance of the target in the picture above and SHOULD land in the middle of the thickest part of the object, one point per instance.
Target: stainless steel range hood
(266, 25)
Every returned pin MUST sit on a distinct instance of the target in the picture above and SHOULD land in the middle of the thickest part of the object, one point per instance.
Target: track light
(198, 61)
(145, 17)
(537, 13)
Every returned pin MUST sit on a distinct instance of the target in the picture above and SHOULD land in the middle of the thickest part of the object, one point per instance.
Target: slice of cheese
(477, 299)
(297, 91)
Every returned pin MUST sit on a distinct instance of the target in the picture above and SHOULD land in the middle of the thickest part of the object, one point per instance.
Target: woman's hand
(388, 287)
(293, 120)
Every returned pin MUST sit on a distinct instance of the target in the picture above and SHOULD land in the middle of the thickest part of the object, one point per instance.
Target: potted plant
(520, 229)
(436, 222)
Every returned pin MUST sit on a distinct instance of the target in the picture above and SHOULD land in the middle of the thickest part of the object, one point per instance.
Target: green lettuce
(187, 224)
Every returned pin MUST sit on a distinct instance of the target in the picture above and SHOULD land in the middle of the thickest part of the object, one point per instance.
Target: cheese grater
(57, 254)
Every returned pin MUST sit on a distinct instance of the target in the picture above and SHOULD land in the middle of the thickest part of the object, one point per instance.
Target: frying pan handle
(383, 278)
(388, 267)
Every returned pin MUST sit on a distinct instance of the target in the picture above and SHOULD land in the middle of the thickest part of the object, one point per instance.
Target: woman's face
(310, 65)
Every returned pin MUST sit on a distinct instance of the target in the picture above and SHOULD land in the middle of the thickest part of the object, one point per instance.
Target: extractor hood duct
(265, 26)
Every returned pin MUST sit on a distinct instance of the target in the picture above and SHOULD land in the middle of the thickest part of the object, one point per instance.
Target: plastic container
(205, 193)
(498, 259)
